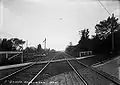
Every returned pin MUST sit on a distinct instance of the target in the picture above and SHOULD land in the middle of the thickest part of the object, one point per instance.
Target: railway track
(88, 75)
(35, 74)
(26, 75)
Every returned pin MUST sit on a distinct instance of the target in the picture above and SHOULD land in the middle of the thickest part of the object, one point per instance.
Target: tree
(12, 44)
(30, 50)
(85, 35)
(17, 43)
(106, 27)
(4, 45)
(106, 38)
(102, 41)
(39, 48)
(85, 42)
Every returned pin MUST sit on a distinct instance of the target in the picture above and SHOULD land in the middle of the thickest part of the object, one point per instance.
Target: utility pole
(112, 40)
(112, 32)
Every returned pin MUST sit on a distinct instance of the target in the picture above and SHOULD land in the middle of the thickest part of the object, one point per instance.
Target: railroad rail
(31, 79)
(87, 73)
(35, 71)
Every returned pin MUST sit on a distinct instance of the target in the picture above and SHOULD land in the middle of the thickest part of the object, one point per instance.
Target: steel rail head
(30, 82)
(105, 75)
(31, 64)
(38, 74)
(3, 78)
(79, 75)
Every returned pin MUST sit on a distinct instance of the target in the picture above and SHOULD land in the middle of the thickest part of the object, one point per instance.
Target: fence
(12, 52)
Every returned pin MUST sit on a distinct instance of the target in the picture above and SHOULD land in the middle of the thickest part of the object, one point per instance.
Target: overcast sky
(57, 20)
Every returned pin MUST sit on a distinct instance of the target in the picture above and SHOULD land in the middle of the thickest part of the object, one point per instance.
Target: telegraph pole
(112, 32)
(112, 40)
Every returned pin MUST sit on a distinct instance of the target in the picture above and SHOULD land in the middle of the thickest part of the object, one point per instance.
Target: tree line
(13, 44)
(105, 41)
(16, 44)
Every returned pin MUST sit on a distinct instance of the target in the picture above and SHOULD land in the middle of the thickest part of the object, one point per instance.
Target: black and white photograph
(59, 42)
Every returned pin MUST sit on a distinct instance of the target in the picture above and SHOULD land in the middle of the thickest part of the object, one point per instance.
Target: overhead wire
(104, 8)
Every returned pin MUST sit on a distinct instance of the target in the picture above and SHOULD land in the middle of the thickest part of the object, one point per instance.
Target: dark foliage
(107, 36)
(13, 44)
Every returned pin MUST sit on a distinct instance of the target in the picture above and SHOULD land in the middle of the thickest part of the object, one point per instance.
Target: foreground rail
(91, 76)
(86, 75)
(26, 68)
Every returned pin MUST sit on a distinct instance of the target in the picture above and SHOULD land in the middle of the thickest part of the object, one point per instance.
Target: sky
(59, 21)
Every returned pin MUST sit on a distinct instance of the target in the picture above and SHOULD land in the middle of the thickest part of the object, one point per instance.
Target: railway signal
(44, 44)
